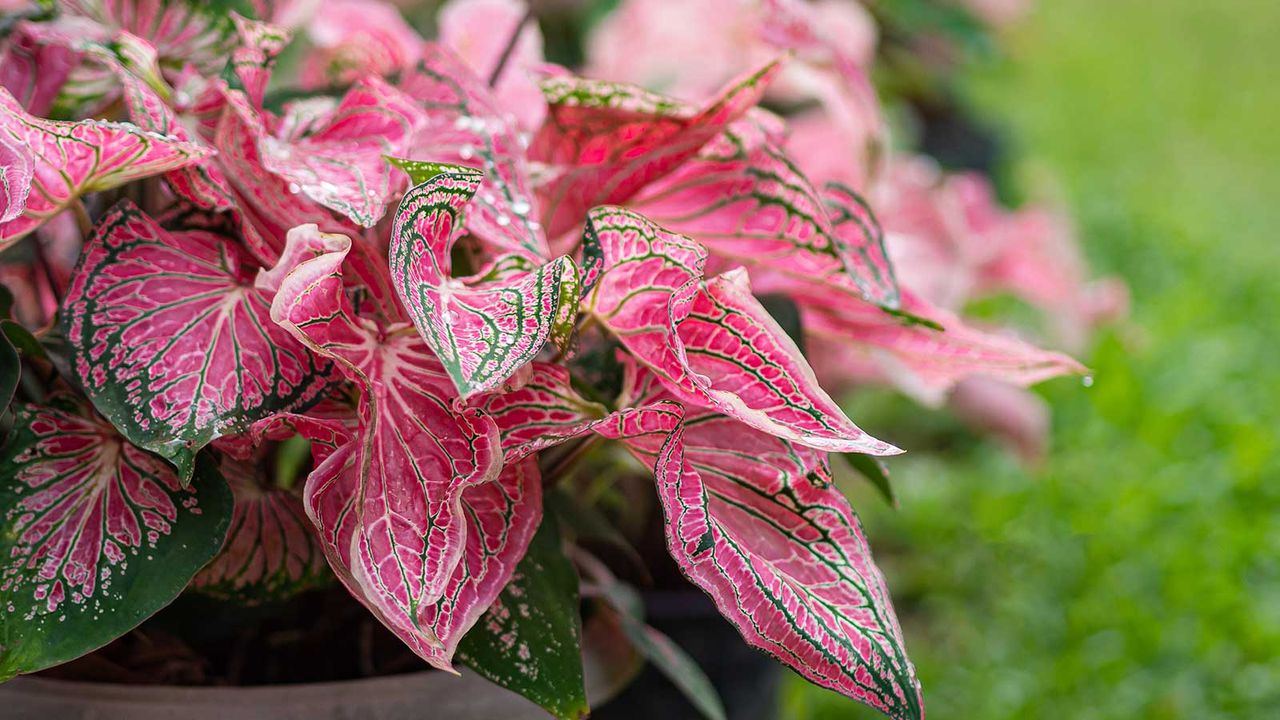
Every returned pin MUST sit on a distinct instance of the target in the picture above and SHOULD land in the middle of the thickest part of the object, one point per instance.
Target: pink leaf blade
(74, 158)
(389, 503)
(172, 342)
(485, 331)
(927, 359)
(710, 342)
(746, 200)
(606, 141)
(466, 126)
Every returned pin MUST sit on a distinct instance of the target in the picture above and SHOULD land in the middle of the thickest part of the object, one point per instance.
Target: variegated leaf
(483, 328)
(173, 343)
(390, 504)
(182, 31)
(16, 169)
(272, 550)
(336, 158)
(756, 522)
(529, 640)
(711, 343)
(466, 126)
(201, 183)
(604, 142)
(97, 535)
(745, 199)
(73, 158)
(543, 412)
(926, 361)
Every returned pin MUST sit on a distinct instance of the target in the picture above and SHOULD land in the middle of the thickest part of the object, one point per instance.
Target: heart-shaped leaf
(173, 343)
(484, 328)
(272, 550)
(97, 535)
(414, 516)
(756, 522)
(745, 199)
(927, 361)
(465, 125)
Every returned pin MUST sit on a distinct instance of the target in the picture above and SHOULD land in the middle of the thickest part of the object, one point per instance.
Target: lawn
(1137, 573)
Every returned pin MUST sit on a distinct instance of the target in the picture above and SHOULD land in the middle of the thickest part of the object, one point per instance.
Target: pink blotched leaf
(924, 361)
(745, 199)
(337, 158)
(73, 158)
(483, 329)
(466, 126)
(543, 412)
(603, 142)
(272, 550)
(390, 504)
(173, 343)
(95, 535)
(711, 342)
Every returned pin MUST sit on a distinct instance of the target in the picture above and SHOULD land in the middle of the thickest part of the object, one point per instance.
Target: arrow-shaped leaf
(711, 342)
(604, 142)
(745, 199)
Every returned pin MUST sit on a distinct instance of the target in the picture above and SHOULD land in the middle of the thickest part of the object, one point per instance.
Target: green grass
(1137, 574)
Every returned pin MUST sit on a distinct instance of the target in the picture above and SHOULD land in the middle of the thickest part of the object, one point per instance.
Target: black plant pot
(746, 679)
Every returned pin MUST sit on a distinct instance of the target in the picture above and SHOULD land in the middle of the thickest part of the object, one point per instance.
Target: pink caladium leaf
(711, 342)
(485, 331)
(745, 199)
(466, 126)
(337, 159)
(389, 504)
(16, 169)
(182, 31)
(73, 158)
(173, 343)
(604, 142)
(37, 60)
(254, 56)
(923, 360)
(354, 39)
(756, 522)
(272, 550)
(95, 535)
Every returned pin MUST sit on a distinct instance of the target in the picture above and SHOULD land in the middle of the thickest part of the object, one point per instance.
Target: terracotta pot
(414, 696)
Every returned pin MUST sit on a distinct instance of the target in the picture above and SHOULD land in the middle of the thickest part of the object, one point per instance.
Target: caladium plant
(357, 320)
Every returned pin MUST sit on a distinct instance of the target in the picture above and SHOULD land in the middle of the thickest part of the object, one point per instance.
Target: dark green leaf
(96, 536)
(530, 639)
(876, 472)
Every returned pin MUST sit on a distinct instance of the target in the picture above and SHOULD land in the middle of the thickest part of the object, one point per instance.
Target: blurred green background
(1137, 573)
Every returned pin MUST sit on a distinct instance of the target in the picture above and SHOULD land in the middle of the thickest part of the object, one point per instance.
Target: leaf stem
(82, 219)
(509, 49)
